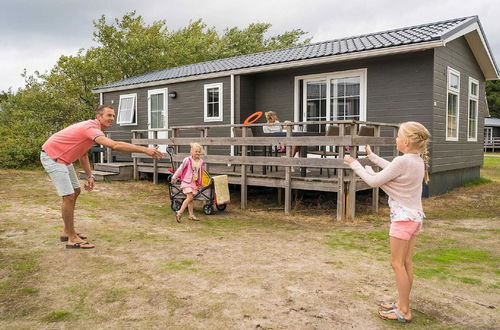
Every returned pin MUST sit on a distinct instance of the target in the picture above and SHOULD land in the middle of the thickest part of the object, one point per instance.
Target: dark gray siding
(441, 182)
(185, 109)
(246, 98)
(451, 155)
(399, 88)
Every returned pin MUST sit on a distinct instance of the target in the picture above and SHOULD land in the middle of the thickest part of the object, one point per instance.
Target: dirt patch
(235, 269)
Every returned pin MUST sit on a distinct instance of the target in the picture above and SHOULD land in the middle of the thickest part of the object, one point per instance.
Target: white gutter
(287, 65)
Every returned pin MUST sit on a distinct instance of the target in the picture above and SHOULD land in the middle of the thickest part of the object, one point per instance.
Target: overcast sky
(34, 33)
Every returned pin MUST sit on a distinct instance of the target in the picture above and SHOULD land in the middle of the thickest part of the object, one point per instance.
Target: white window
(473, 105)
(213, 102)
(452, 104)
(127, 110)
(334, 96)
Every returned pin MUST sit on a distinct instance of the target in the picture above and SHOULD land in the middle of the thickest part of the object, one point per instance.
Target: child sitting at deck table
(190, 173)
(402, 180)
(272, 118)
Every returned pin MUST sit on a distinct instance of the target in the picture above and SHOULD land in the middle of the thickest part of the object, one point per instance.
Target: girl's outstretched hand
(348, 160)
(368, 150)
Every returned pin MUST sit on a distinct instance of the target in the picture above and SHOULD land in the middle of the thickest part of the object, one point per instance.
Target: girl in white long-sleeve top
(402, 180)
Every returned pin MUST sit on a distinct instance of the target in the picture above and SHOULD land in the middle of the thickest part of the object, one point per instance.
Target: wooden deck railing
(492, 144)
(345, 178)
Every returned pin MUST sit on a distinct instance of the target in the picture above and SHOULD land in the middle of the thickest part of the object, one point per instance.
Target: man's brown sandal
(194, 218)
(178, 217)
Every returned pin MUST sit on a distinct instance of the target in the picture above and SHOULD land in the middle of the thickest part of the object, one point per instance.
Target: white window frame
(205, 102)
(133, 120)
(328, 76)
(454, 91)
(476, 99)
(151, 92)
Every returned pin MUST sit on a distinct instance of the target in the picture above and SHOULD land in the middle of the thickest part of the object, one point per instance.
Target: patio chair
(251, 150)
(322, 152)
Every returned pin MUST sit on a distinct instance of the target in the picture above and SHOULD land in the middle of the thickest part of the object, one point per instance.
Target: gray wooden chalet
(432, 73)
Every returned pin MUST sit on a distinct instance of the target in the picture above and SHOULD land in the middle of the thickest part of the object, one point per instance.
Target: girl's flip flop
(65, 238)
(80, 245)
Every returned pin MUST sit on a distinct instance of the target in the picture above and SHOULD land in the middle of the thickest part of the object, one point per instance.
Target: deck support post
(155, 162)
(288, 177)
(135, 160)
(244, 192)
(108, 150)
(351, 191)
(340, 181)
(376, 190)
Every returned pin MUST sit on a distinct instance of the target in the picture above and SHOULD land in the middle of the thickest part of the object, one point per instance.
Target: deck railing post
(108, 150)
(351, 191)
(288, 177)
(340, 180)
(376, 191)
(135, 160)
(175, 134)
(155, 162)
(244, 171)
(204, 134)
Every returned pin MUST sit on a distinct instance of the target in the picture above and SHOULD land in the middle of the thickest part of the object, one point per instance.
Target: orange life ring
(253, 118)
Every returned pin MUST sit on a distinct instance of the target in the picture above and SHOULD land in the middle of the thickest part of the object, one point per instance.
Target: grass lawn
(238, 269)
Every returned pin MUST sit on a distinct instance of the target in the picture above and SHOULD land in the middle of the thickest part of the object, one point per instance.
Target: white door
(488, 134)
(334, 96)
(158, 114)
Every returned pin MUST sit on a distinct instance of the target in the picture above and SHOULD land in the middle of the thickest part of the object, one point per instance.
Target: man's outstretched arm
(128, 147)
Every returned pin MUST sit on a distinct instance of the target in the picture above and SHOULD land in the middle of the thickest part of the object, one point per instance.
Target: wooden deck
(343, 181)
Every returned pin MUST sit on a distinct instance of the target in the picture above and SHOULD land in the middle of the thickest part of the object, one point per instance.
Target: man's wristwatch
(92, 176)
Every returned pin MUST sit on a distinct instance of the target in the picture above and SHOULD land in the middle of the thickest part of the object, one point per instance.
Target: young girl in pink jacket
(190, 174)
(402, 180)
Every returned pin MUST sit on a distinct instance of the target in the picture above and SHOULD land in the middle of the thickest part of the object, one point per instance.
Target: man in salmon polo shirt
(72, 143)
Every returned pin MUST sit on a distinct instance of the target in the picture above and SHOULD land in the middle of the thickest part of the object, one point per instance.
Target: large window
(157, 108)
(334, 96)
(472, 113)
(316, 100)
(344, 95)
(127, 109)
(452, 104)
(213, 102)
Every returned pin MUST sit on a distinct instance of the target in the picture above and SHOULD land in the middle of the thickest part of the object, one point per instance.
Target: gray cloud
(36, 33)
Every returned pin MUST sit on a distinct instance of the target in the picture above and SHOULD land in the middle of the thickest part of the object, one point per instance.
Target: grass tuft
(57, 316)
(477, 182)
(178, 265)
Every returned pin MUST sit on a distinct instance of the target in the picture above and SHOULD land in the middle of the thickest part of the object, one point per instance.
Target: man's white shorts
(63, 176)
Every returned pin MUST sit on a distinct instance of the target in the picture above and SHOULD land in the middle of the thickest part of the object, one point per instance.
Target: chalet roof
(495, 122)
(408, 38)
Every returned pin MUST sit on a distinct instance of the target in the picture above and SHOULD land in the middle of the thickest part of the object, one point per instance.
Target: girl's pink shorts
(189, 187)
(405, 229)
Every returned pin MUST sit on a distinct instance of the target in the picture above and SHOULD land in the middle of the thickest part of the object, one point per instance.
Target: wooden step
(99, 175)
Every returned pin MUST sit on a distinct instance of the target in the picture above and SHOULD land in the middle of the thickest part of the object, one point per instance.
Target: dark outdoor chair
(322, 152)
(251, 150)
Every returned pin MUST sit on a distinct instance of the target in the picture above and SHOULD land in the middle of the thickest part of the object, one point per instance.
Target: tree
(493, 97)
(125, 47)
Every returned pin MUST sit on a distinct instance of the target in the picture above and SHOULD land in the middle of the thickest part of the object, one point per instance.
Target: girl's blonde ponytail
(419, 137)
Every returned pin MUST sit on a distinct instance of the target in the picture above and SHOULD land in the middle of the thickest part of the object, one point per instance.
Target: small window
(213, 102)
(472, 111)
(127, 110)
(452, 105)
